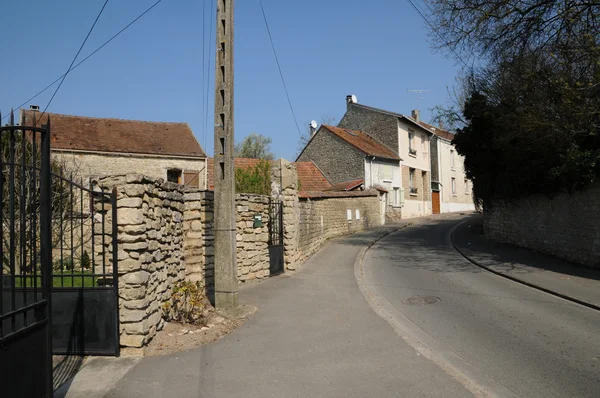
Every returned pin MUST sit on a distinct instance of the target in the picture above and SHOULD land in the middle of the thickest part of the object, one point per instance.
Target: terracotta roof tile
(438, 131)
(118, 135)
(310, 178)
(336, 194)
(347, 185)
(363, 142)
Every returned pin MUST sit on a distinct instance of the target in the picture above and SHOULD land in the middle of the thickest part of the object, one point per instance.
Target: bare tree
(306, 136)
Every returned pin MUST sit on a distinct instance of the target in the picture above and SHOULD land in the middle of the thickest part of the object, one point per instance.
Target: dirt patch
(176, 337)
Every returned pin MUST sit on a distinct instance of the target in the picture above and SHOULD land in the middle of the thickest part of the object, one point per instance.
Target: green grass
(60, 281)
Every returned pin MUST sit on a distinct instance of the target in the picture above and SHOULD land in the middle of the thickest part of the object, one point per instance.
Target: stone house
(354, 160)
(98, 147)
(410, 142)
(451, 190)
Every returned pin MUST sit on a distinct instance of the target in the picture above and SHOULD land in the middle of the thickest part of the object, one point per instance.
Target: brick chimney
(416, 115)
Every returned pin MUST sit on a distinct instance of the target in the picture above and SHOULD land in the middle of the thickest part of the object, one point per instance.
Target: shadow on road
(470, 239)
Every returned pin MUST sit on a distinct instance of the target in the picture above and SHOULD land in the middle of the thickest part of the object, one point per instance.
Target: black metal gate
(58, 253)
(26, 255)
(275, 236)
(84, 267)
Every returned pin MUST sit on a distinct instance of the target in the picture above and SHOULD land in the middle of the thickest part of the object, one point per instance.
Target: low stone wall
(165, 235)
(324, 217)
(150, 253)
(252, 243)
(565, 226)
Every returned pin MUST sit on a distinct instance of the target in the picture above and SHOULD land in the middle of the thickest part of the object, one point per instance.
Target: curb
(515, 279)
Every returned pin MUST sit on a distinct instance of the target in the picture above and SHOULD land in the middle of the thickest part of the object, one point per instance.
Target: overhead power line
(75, 57)
(287, 94)
(88, 57)
(432, 26)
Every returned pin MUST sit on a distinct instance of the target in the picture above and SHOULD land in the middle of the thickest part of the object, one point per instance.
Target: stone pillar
(291, 213)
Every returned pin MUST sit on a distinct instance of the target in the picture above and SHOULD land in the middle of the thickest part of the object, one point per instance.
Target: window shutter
(191, 178)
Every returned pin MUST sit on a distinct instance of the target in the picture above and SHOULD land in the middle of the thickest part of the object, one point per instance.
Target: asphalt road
(502, 337)
(314, 335)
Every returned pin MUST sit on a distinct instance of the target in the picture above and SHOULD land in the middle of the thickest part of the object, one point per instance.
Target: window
(411, 181)
(453, 186)
(174, 175)
(396, 196)
(388, 172)
(452, 159)
(411, 150)
(466, 186)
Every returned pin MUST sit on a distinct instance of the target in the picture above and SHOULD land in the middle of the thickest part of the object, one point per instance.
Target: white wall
(384, 173)
(420, 142)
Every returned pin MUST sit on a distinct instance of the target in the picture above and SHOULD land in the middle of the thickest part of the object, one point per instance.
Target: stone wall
(86, 165)
(252, 243)
(382, 126)
(165, 235)
(338, 160)
(150, 253)
(325, 217)
(565, 226)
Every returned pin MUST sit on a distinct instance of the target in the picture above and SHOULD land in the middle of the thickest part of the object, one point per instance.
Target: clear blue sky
(153, 71)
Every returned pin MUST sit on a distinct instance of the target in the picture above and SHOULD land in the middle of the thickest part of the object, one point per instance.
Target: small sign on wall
(349, 215)
(258, 221)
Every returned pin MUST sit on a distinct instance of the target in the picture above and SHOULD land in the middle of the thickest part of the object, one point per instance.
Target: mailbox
(258, 221)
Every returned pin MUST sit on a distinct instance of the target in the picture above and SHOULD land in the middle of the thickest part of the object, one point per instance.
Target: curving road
(499, 337)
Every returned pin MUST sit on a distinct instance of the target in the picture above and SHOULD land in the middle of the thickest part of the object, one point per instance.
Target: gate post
(46, 247)
(115, 268)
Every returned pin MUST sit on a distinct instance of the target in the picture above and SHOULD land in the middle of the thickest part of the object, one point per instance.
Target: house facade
(97, 147)
(451, 190)
(352, 160)
(410, 141)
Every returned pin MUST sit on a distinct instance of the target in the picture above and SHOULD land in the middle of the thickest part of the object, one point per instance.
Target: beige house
(451, 190)
(96, 147)
(410, 141)
(414, 143)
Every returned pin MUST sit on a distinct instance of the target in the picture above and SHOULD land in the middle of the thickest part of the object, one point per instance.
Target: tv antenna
(419, 96)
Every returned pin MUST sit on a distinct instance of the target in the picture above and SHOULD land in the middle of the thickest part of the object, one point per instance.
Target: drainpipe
(371, 171)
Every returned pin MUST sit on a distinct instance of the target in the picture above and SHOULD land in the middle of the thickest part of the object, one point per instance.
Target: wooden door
(435, 201)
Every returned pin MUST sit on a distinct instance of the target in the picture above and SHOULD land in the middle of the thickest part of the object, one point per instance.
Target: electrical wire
(75, 57)
(88, 57)
(413, 5)
(212, 17)
(287, 94)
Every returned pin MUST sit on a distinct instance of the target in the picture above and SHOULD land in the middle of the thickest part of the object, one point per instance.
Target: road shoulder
(544, 272)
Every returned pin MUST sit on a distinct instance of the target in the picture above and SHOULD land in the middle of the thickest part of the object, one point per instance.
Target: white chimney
(34, 107)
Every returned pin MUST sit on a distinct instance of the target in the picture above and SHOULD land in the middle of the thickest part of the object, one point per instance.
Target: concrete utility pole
(226, 284)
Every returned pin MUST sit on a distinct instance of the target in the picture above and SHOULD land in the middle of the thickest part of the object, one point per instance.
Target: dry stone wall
(252, 242)
(324, 218)
(565, 226)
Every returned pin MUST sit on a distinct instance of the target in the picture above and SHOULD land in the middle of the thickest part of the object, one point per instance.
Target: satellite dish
(354, 99)
(313, 124)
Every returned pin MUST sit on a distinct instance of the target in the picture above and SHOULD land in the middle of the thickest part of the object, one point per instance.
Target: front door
(435, 202)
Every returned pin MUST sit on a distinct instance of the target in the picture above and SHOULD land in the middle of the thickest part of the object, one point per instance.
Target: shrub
(186, 304)
(85, 260)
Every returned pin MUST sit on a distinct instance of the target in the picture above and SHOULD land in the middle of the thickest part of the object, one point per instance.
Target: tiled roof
(239, 163)
(310, 178)
(336, 194)
(118, 135)
(363, 142)
(438, 131)
(347, 185)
